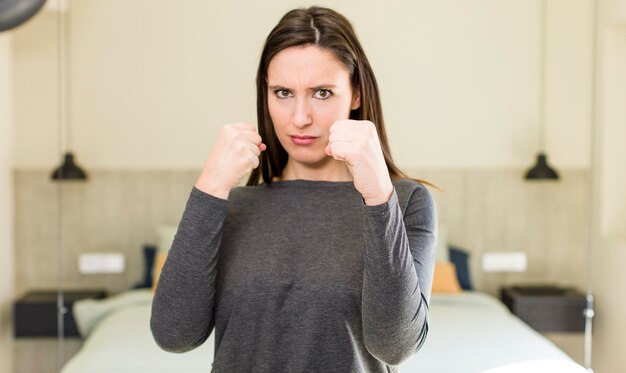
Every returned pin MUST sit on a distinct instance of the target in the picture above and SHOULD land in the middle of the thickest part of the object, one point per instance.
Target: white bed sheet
(474, 332)
(469, 332)
(122, 343)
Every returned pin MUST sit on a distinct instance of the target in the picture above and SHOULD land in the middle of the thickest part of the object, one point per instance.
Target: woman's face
(308, 90)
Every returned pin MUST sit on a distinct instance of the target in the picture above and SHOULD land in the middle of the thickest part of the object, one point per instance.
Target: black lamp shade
(15, 12)
(69, 170)
(541, 171)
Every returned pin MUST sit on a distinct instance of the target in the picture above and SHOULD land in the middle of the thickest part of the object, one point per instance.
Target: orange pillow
(445, 280)
(159, 261)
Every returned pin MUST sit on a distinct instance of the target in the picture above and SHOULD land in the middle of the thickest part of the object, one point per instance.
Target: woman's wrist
(214, 190)
(378, 200)
(381, 197)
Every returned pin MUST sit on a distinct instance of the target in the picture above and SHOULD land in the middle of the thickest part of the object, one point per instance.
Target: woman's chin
(311, 160)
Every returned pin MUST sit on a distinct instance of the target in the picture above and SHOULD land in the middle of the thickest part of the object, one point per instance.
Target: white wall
(7, 278)
(153, 83)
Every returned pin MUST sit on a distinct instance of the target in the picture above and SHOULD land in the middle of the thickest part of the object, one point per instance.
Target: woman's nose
(302, 113)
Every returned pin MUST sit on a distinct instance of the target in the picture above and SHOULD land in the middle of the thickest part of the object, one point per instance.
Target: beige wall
(618, 11)
(7, 280)
(609, 199)
(613, 111)
(153, 83)
(609, 322)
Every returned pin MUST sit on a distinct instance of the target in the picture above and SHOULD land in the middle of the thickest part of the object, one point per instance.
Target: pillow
(445, 280)
(158, 265)
(89, 312)
(165, 234)
(460, 259)
(149, 252)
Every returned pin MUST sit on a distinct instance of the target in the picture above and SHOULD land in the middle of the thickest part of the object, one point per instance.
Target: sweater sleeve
(397, 277)
(182, 307)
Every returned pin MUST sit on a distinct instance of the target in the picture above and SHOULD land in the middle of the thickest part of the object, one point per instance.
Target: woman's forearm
(182, 308)
(395, 298)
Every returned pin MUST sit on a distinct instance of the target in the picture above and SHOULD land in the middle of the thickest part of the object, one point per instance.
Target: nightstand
(556, 312)
(35, 313)
(547, 308)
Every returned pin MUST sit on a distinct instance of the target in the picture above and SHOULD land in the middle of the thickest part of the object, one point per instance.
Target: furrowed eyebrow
(322, 86)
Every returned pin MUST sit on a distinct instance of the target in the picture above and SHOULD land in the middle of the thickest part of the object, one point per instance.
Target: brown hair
(327, 29)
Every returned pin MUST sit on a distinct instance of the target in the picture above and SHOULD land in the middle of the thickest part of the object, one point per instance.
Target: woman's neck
(332, 171)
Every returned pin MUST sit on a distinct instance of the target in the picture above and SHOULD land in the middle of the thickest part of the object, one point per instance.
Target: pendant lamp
(541, 170)
(68, 170)
(15, 12)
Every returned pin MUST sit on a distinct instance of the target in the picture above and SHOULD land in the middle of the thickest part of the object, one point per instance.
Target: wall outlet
(509, 261)
(94, 263)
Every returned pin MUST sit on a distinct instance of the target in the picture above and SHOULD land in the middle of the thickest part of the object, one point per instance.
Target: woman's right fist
(235, 153)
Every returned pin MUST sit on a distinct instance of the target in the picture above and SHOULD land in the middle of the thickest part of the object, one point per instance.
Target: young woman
(324, 261)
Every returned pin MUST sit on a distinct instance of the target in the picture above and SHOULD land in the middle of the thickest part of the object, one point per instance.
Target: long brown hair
(327, 29)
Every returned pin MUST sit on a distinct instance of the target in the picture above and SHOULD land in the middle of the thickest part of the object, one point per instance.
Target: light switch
(509, 261)
(94, 263)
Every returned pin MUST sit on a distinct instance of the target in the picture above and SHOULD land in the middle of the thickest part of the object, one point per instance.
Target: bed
(469, 332)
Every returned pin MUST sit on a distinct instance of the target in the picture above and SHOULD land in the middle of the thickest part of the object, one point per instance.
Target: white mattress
(470, 332)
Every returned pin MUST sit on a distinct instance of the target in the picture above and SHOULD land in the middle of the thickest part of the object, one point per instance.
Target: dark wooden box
(547, 308)
(35, 313)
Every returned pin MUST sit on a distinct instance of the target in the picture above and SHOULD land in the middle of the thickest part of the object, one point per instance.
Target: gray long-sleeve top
(300, 276)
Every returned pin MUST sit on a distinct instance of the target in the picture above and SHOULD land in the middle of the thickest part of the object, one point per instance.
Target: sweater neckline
(304, 183)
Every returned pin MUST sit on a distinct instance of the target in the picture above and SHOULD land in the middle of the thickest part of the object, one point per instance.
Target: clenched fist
(235, 153)
(356, 142)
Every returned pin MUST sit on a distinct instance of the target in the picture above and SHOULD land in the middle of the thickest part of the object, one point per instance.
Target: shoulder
(413, 195)
(409, 189)
(243, 200)
(245, 194)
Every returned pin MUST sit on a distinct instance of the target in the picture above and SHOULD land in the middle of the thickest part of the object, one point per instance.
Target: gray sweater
(300, 276)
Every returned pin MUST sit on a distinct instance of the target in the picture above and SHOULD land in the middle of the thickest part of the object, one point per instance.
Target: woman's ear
(356, 99)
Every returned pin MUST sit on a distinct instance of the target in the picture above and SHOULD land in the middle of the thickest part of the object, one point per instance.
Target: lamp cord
(67, 40)
(61, 310)
(542, 74)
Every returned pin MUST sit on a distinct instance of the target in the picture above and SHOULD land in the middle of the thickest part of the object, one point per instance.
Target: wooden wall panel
(119, 211)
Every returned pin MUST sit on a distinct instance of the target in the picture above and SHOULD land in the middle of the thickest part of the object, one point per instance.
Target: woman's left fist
(356, 143)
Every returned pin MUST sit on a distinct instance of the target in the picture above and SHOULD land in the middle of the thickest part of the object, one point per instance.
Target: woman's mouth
(303, 140)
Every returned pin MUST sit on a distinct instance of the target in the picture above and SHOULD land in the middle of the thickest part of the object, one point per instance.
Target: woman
(325, 266)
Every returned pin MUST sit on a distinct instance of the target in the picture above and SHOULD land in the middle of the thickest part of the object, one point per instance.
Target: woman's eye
(282, 93)
(323, 94)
